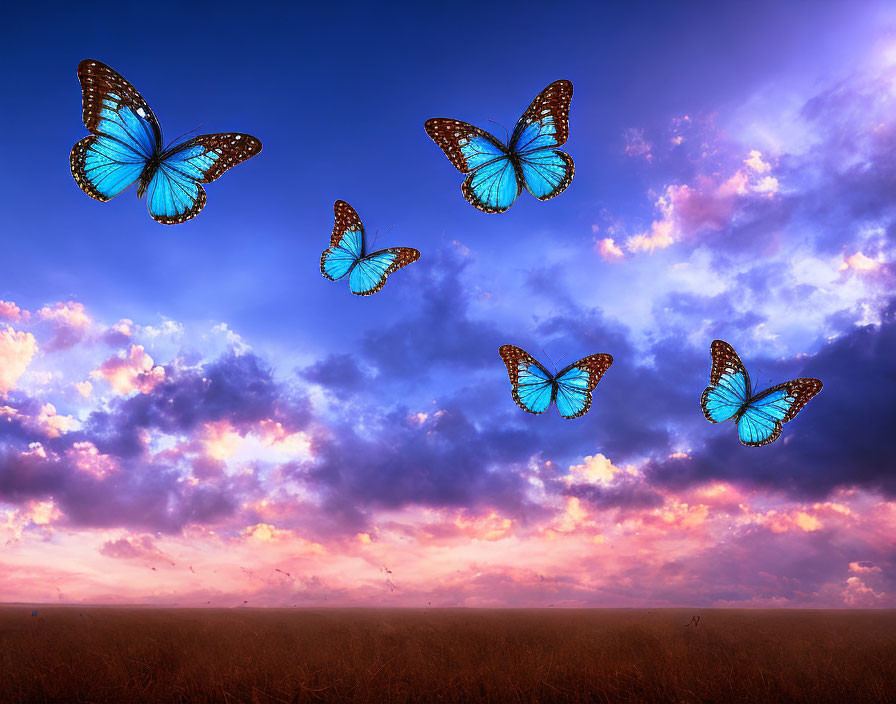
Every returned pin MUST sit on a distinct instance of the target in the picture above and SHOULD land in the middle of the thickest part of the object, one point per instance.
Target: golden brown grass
(122, 656)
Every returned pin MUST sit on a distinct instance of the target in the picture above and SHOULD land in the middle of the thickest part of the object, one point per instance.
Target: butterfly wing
(729, 381)
(124, 133)
(531, 384)
(546, 171)
(493, 183)
(370, 273)
(761, 421)
(576, 382)
(346, 243)
(174, 193)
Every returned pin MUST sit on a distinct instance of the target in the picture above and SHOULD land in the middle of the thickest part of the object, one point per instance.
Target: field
(120, 656)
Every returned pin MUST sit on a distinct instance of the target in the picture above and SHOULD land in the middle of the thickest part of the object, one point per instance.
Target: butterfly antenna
(549, 359)
(565, 354)
(506, 133)
(177, 139)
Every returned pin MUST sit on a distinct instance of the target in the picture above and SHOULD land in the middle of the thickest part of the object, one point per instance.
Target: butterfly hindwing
(532, 386)
(576, 382)
(493, 183)
(545, 170)
(367, 273)
(124, 133)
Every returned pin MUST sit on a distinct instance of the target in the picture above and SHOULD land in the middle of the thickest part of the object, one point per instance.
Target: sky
(192, 415)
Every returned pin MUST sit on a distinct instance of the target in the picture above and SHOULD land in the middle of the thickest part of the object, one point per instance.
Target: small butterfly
(498, 172)
(759, 416)
(534, 387)
(367, 273)
(125, 147)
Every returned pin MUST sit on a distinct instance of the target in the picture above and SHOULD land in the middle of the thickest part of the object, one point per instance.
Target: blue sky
(733, 180)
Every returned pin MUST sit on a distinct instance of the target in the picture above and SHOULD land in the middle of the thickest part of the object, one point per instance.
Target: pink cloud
(16, 351)
(134, 372)
(10, 311)
(608, 249)
(859, 262)
(709, 203)
(141, 548)
(636, 145)
(70, 323)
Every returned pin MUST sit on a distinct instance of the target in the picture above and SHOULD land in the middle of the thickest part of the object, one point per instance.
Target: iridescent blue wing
(346, 243)
(125, 134)
(493, 182)
(532, 386)
(174, 194)
(576, 382)
(546, 171)
(370, 273)
(761, 421)
(729, 387)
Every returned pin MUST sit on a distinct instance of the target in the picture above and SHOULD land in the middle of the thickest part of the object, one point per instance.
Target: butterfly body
(125, 147)
(498, 172)
(759, 416)
(347, 255)
(534, 388)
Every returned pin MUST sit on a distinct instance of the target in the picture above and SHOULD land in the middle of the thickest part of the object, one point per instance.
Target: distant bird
(154, 569)
(245, 602)
(34, 614)
(192, 570)
(391, 586)
(277, 569)
(385, 569)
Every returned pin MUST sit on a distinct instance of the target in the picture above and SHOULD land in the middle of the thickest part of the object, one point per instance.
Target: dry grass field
(120, 656)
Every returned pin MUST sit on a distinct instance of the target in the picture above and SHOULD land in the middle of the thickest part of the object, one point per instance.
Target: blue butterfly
(530, 159)
(534, 387)
(367, 273)
(759, 416)
(125, 146)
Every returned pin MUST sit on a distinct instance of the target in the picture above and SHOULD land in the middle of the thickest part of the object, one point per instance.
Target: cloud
(69, 321)
(843, 438)
(10, 311)
(134, 372)
(16, 351)
(636, 145)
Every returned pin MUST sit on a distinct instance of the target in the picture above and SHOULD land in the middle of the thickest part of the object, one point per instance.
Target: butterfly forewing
(104, 90)
(212, 154)
(550, 110)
